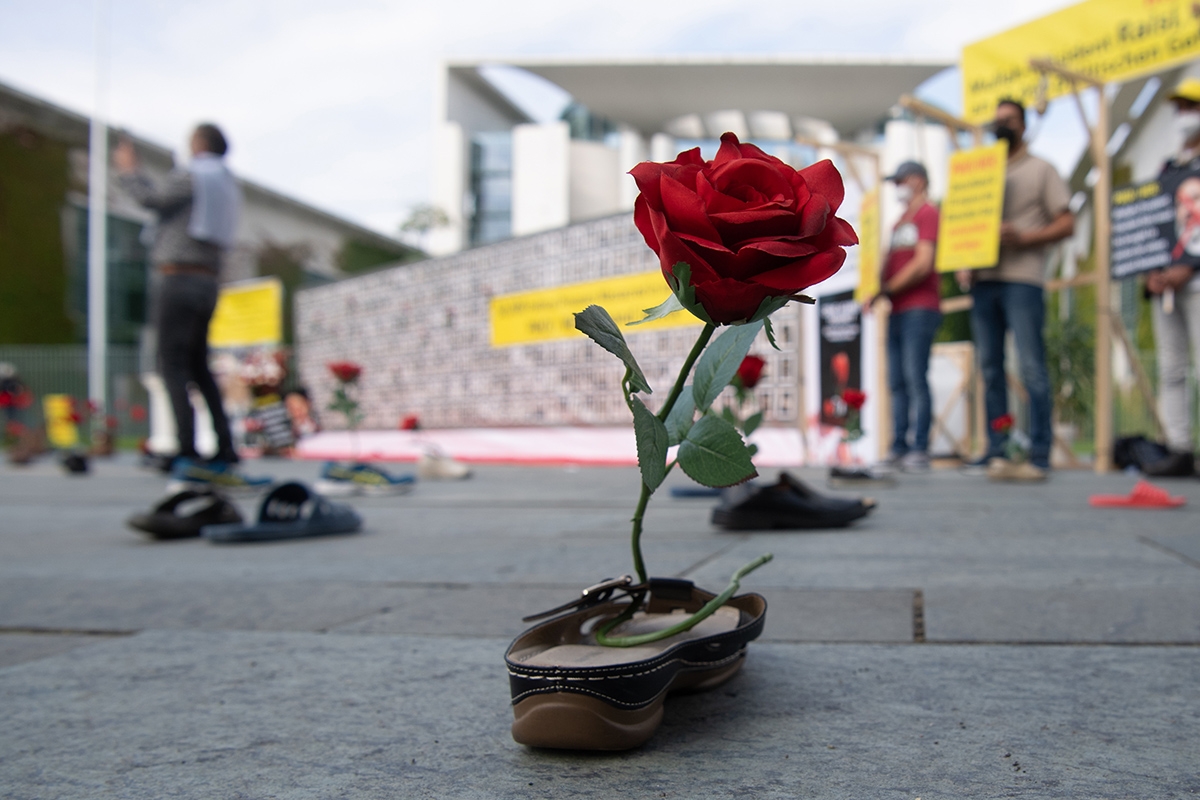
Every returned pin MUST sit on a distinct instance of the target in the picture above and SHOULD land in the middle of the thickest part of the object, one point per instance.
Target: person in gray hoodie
(197, 211)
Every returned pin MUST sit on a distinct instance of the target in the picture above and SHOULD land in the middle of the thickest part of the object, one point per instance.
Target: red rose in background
(137, 413)
(6, 399)
(410, 423)
(1003, 424)
(23, 400)
(748, 225)
(345, 371)
(14, 428)
(840, 363)
(749, 371)
(854, 398)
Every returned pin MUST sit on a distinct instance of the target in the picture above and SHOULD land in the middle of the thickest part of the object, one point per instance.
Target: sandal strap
(593, 595)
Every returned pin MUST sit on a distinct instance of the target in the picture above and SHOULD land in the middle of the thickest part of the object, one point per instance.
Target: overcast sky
(332, 102)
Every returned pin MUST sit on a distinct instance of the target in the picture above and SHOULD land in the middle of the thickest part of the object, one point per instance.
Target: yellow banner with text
(547, 314)
(868, 247)
(1110, 40)
(248, 313)
(969, 229)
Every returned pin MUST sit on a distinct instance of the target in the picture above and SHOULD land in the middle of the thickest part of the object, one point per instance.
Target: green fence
(63, 369)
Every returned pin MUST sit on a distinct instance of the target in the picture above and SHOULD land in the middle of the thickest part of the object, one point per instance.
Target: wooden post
(1101, 210)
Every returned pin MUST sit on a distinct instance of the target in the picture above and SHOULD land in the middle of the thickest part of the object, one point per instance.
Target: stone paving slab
(1165, 615)
(220, 714)
(17, 648)
(462, 609)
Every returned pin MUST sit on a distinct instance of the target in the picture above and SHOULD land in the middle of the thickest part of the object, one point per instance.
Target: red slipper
(1144, 495)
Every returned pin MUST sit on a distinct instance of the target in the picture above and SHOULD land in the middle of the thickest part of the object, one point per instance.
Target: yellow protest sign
(1111, 40)
(61, 430)
(547, 314)
(868, 247)
(248, 313)
(969, 230)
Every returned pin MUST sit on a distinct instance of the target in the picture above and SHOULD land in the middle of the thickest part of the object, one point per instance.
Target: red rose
(345, 371)
(6, 399)
(749, 226)
(1003, 424)
(749, 372)
(840, 363)
(14, 428)
(410, 423)
(854, 398)
(24, 399)
(137, 413)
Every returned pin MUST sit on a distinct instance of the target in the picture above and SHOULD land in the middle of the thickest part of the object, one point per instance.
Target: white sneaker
(435, 466)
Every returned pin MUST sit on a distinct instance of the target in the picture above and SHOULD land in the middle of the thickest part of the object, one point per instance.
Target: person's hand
(125, 157)
(1176, 276)
(1010, 235)
(1155, 283)
(963, 278)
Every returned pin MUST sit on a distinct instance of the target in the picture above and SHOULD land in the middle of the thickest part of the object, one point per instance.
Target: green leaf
(770, 305)
(752, 423)
(679, 421)
(663, 309)
(680, 281)
(720, 362)
(651, 435)
(728, 415)
(596, 323)
(770, 329)
(714, 454)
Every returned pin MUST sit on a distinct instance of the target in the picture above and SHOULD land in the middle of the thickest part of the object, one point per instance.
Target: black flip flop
(290, 511)
(183, 514)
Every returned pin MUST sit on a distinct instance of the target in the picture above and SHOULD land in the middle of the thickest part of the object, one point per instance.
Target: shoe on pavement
(437, 466)
(221, 474)
(786, 505)
(1176, 465)
(341, 480)
(1001, 469)
(979, 467)
(915, 462)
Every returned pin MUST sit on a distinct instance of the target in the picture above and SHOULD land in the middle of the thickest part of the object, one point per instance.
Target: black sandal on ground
(183, 514)
(568, 692)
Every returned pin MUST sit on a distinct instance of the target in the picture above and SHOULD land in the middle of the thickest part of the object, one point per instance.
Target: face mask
(1187, 125)
(1007, 134)
(904, 193)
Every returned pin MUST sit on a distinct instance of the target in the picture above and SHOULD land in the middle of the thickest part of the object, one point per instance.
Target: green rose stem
(639, 563)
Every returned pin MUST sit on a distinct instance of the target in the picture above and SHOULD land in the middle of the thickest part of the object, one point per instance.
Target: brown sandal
(568, 692)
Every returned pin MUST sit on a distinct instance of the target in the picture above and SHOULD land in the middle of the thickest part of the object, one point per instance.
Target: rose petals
(750, 226)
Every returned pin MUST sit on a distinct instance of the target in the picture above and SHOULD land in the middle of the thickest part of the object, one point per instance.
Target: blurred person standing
(1010, 296)
(197, 211)
(1175, 293)
(911, 284)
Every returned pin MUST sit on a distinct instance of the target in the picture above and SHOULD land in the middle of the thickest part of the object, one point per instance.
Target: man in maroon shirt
(911, 283)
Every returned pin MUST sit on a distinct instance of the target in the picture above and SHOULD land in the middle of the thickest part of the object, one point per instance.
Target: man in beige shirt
(1010, 296)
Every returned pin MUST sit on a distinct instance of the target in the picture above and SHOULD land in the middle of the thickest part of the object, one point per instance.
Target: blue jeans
(910, 336)
(1021, 308)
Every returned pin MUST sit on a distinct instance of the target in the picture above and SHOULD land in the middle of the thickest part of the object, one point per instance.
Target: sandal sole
(571, 721)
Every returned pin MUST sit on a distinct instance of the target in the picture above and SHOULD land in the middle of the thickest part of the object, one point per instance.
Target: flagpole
(97, 262)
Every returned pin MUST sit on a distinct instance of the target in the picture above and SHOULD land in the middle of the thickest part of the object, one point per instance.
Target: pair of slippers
(289, 511)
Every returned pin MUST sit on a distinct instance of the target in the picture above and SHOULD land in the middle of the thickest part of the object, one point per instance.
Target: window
(491, 187)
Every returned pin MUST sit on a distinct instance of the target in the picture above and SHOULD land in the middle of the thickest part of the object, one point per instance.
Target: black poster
(840, 321)
(1156, 224)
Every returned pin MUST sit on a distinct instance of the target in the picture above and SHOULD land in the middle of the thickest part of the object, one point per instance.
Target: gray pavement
(966, 640)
